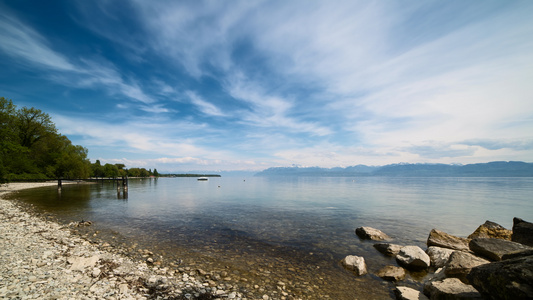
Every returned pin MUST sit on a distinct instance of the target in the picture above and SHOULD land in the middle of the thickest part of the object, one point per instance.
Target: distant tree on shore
(31, 147)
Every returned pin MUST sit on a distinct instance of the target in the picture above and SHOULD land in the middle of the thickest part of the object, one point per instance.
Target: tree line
(31, 148)
(119, 170)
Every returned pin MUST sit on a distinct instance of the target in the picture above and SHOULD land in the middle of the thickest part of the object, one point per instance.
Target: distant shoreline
(491, 169)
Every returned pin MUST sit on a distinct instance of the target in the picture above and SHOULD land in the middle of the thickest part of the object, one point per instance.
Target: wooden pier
(121, 182)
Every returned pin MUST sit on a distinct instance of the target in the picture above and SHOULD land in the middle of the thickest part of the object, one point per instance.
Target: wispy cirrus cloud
(32, 49)
(204, 106)
(28, 46)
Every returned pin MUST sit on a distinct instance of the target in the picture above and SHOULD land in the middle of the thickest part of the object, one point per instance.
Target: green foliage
(110, 170)
(32, 149)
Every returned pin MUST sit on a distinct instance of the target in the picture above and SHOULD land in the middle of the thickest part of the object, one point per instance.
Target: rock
(123, 288)
(518, 254)
(407, 293)
(80, 263)
(96, 272)
(439, 256)
(494, 249)
(491, 230)
(369, 233)
(442, 239)
(507, 279)
(461, 263)
(388, 249)
(522, 232)
(450, 288)
(355, 263)
(413, 257)
(391, 273)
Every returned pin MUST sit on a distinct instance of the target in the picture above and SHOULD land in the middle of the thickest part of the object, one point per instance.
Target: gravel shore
(40, 259)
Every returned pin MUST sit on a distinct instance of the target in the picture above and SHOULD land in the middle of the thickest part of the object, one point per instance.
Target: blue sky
(247, 85)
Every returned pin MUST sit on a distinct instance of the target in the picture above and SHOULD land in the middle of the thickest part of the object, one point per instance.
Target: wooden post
(59, 184)
(125, 183)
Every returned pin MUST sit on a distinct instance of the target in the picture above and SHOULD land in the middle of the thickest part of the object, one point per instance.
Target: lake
(289, 229)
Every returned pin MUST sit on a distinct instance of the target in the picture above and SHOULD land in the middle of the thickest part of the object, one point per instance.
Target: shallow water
(282, 226)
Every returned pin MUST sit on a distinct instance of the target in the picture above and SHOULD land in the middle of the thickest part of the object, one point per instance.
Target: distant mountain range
(491, 169)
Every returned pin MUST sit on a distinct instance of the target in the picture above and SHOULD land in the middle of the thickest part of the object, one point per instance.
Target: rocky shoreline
(492, 263)
(40, 259)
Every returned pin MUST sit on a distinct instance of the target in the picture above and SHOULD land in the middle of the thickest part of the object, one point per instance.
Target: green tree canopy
(31, 147)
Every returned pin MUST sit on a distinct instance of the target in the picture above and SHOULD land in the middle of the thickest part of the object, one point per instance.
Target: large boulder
(507, 279)
(450, 288)
(522, 232)
(369, 233)
(494, 249)
(388, 249)
(491, 230)
(442, 239)
(461, 263)
(439, 256)
(413, 257)
(407, 293)
(391, 273)
(355, 263)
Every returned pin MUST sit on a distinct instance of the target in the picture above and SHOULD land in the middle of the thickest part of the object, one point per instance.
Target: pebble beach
(40, 259)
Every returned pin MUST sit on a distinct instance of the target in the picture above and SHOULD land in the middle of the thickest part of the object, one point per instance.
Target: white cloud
(204, 106)
(21, 41)
(26, 44)
(268, 111)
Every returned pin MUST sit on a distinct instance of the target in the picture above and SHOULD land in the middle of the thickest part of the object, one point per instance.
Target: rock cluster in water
(492, 263)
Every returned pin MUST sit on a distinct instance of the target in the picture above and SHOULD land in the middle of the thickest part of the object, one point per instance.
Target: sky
(246, 85)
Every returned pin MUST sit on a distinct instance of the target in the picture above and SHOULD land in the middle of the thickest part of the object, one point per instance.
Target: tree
(73, 162)
(33, 125)
(156, 174)
(97, 169)
(144, 173)
(8, 143)
(110, 170)
(31, 147)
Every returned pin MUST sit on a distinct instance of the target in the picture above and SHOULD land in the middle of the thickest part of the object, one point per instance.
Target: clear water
(301, 221)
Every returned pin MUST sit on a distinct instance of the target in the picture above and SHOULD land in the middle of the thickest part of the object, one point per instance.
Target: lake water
(291, 229)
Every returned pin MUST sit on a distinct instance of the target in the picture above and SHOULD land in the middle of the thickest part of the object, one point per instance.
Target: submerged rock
(413, 257)
(439, 256)
(388, 249)
(391, 273)
(494, 249)
(355, 263)
(491, 230)
(407, 293)
(369, 233)
(507, 279)
(450, 288)
(522, 232)
(442, 239)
